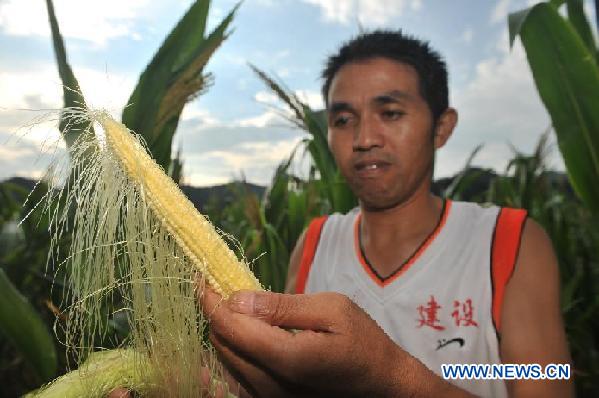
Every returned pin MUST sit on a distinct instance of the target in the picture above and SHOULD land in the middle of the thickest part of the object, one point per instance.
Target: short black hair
(400, 47)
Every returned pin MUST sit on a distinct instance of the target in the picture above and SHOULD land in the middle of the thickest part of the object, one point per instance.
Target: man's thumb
(297, 311)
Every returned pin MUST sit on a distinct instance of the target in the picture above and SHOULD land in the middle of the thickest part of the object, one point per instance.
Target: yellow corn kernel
(196, 236)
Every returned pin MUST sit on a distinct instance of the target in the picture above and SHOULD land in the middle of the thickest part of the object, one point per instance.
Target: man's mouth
(370, 168)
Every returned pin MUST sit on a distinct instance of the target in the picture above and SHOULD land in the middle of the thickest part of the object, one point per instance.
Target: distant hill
(217, 195)
(25, 183)
(480, 181)
(222, 195)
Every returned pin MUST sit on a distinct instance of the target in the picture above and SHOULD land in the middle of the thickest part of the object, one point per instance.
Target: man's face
(380, 131)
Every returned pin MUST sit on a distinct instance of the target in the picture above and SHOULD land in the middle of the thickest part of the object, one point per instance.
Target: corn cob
(102, 371)
(135, 233)
(196, 236)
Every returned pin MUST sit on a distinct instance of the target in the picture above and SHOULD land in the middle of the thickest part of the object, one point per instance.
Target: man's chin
(379, 204)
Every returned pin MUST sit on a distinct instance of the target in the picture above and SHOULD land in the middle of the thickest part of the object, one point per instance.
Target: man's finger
(270, 347)
(209, 300)
(315, 312)
(239, 331)
(119, 393)
(254, 379)
(253, 336)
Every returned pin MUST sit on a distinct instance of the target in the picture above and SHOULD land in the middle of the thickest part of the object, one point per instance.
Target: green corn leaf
(579, 21)
(71, 91)
(172, 78)
(461, 180)
(314, 122)
(515, 21)
(22, 325)
(567, 78)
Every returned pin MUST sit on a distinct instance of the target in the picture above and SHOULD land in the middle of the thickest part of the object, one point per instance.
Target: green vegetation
(564, 61)
(173, 77)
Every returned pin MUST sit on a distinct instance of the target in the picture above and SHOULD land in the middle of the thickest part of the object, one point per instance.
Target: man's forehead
(373, 78)
(391, 96)
(338, 102)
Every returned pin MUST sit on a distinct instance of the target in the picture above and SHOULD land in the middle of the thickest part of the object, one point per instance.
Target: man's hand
(335, 348)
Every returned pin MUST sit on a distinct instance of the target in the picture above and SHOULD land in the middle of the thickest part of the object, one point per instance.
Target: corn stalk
(563, 59)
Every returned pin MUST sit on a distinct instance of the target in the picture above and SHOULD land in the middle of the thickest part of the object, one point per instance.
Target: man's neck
(391, 236)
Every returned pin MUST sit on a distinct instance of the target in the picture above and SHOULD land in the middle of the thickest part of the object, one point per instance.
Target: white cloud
(283, 72)
(253, 154)
(40, 87)
(195, 112)
(266, 3)
(233, 59)
(367, 12)
(267, 97)
(29, 105)
(268, 118)
(30, 152)
(282, 54)
(500, 11)
(467, 36)
(105, 90)
(499, 106)
(311, 97)
(14, 152)
(502, 8)
(30, 101)
(242, 84)
(94, 21)
(26, 88)
(198, 178)
(255, 160)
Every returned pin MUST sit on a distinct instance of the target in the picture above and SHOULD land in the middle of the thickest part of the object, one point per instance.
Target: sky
(233, 130)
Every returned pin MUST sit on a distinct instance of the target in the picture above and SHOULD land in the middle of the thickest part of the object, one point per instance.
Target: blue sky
(232, 129)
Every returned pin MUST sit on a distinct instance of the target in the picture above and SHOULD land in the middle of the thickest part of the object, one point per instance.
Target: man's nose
(367, 134)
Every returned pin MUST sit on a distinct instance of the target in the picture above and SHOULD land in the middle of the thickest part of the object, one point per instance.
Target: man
(420, 281)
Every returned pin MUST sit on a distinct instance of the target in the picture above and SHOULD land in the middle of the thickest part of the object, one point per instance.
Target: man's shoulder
(473, 206)
(472, 212)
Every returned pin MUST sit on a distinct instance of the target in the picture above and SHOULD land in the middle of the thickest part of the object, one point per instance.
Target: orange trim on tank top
(410, 261)
(504, 254)
(310, 245)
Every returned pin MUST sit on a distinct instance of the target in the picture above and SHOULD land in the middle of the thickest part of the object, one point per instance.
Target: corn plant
(324, 173)
(269, 227)
(175, 75)
(564, 61)
(25, 337)
(550, 200)
(135, 234)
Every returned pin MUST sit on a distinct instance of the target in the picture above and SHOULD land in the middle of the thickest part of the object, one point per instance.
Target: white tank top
(443, 304)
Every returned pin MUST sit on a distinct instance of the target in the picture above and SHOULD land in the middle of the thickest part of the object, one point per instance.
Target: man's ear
(444, 127)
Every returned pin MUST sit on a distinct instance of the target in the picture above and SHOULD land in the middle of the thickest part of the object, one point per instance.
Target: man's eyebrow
(391, 97)
(337, 107)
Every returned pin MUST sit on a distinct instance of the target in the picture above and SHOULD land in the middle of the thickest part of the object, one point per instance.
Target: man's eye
(340, 121)
(392, 114)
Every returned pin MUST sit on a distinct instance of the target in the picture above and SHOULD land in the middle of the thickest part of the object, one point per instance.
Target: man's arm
(532, 329)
